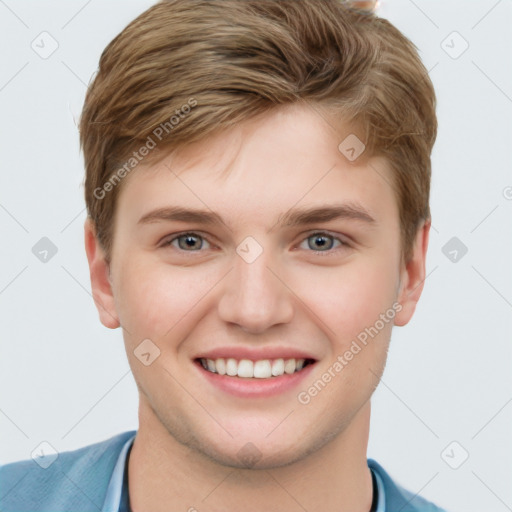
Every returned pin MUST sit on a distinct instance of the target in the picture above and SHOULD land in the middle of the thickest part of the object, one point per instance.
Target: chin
(255, 456)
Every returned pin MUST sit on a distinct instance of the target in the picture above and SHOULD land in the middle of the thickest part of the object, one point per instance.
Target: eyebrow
(292, 218)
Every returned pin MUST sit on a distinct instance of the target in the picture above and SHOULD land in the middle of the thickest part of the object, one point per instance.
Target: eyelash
(328, 252)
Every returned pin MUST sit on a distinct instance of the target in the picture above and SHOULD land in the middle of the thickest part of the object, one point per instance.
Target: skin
(312, 456)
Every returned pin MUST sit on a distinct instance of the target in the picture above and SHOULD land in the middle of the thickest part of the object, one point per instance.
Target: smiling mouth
(260, 369)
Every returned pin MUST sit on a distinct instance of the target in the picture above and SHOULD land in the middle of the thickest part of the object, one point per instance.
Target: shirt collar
(115, 486)
(381, 500)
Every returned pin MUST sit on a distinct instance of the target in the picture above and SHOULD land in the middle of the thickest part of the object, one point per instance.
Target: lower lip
(256, 388)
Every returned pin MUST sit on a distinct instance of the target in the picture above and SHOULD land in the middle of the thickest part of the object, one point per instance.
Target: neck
(164, 472)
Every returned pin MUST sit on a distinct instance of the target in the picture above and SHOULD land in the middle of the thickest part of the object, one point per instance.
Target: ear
(412, 277)
(100, 278)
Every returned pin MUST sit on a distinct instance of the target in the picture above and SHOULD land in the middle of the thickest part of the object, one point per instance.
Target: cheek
(349, 301)
(349, 298)
(154, 299)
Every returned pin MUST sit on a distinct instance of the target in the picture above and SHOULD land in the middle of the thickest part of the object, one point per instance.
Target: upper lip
(255, 354)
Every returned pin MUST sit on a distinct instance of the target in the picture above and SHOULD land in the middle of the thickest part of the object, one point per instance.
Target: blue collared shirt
(117, 499)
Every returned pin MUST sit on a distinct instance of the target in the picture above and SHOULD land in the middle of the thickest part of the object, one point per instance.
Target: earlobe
(101, 285)
(413, 277)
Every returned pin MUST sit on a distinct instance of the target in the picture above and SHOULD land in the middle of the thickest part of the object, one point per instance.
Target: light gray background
(65, 378)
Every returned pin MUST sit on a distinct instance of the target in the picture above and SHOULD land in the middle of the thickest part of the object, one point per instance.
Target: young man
(257, 185)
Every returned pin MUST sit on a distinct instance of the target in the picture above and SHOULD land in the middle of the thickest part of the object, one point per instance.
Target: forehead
(263, 166)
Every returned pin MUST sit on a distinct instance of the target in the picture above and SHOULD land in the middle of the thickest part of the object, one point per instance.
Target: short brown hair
(210, 64)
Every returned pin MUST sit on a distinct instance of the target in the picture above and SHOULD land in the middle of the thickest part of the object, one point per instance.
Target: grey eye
(190, 241)
(320, 241)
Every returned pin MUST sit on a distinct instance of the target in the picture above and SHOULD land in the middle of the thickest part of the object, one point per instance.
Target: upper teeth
(261, 369)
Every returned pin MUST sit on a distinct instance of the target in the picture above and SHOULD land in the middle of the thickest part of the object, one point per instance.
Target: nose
(255, 297)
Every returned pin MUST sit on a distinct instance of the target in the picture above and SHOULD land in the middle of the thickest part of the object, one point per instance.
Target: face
(296, 256)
